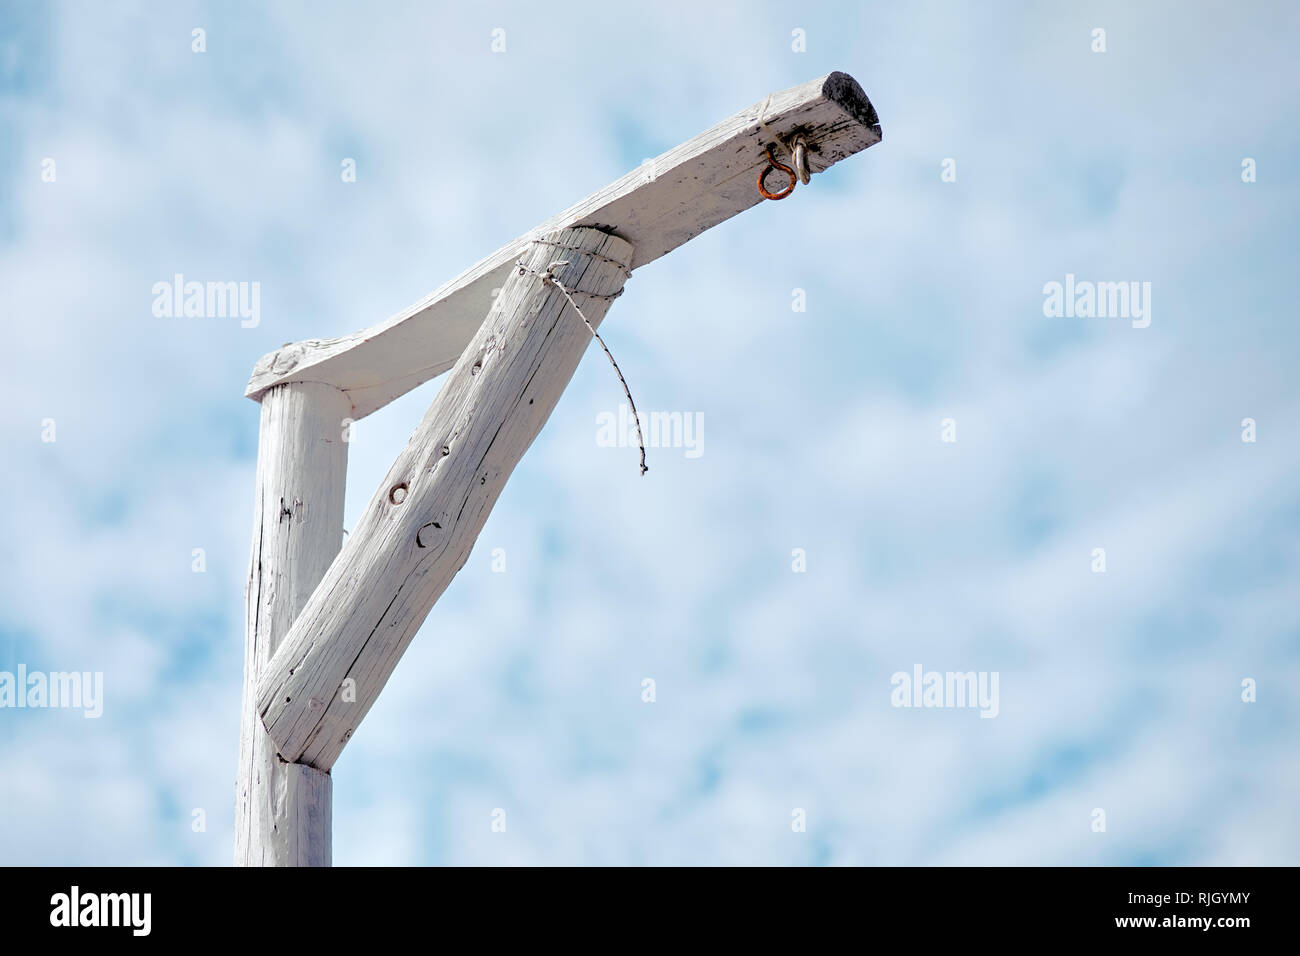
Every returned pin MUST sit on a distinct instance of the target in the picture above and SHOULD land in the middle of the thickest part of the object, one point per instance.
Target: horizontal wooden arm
(656, 208)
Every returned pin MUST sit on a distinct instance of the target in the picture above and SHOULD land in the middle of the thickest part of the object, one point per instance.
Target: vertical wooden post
(282, 810)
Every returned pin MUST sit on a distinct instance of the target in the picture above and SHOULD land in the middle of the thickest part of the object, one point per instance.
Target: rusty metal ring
(775, 165)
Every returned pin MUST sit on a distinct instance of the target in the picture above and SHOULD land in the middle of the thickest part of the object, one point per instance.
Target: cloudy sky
(1119, 691)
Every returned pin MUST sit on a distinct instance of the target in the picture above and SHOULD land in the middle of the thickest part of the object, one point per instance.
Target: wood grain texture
(656, 207)
(424, 518)
(283, 810)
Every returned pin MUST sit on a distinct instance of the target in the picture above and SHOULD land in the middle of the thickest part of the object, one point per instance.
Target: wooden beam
(656, 207)
(283, 810)
(420, 525)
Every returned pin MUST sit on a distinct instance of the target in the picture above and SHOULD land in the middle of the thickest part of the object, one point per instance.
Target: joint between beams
(584, 252)
(547, 277)
(300, 766)
(352, 409)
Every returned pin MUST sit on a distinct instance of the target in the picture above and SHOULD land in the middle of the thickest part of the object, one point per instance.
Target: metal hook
(800, 154)
(762, 177)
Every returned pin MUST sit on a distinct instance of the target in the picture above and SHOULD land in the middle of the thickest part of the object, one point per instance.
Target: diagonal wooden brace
(418, 529)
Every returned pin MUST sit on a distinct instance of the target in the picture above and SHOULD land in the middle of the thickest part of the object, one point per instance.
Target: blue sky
(1119, 691)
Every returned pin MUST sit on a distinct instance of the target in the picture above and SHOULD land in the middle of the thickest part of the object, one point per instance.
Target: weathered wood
(282, 810)
(420, 525)
(656, 207)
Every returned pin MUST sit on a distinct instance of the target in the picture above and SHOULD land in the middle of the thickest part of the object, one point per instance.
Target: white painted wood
(656, 207)
(282, 810)
(420, 525)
